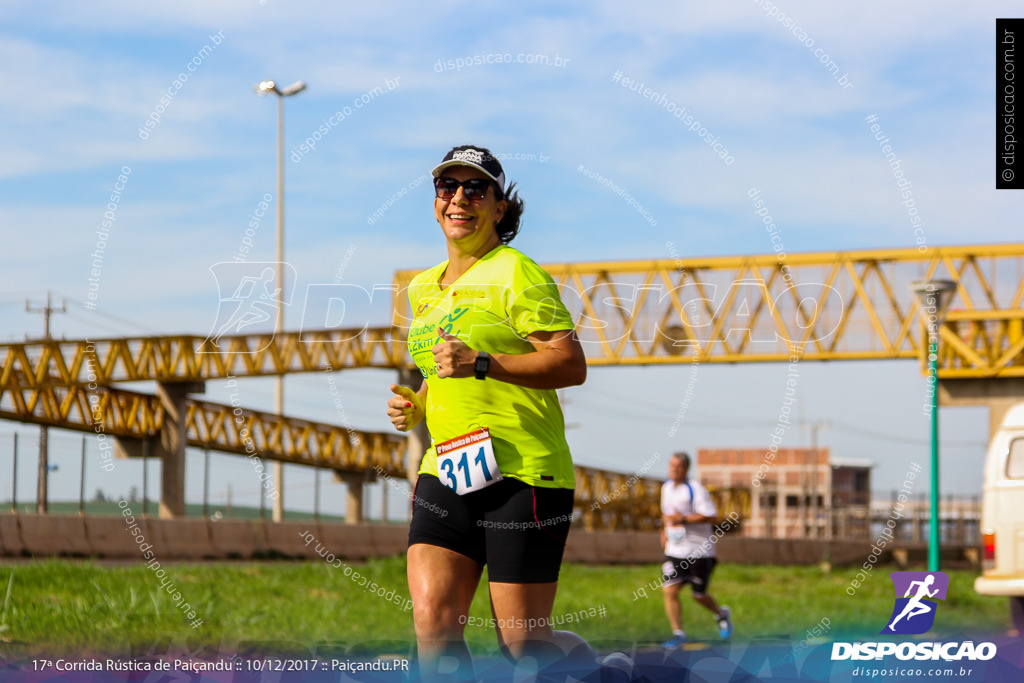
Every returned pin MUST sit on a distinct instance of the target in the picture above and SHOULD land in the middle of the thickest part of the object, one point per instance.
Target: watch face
(482, 365)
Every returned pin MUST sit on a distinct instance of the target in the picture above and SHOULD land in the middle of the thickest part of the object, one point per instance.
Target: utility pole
(44, 451)
(812, 509)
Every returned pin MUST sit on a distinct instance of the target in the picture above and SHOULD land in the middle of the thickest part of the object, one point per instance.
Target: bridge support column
(125, 448)
(171, 445)
(998, 394)
(354, 500)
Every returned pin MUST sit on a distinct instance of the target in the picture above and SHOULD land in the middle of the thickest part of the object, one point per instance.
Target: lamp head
(935, 295)
(265, 87)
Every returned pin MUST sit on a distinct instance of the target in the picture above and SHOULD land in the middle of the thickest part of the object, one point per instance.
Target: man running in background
(688, 513)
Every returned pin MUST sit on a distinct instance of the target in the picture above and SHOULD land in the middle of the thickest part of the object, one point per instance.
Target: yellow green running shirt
(493, 307)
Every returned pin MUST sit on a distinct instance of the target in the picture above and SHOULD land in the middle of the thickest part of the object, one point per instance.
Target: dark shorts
(695, 571)
(517, 530)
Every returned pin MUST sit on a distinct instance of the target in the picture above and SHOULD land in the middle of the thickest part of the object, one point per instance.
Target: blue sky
(82, 78)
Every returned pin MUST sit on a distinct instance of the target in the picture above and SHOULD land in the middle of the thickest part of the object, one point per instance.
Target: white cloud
(87, 76)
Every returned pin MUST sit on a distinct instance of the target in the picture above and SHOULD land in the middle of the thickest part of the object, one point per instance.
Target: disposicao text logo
(914, 612)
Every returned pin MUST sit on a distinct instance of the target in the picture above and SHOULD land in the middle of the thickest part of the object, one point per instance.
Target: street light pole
(935, 296)
(264, 88)
(934, 521)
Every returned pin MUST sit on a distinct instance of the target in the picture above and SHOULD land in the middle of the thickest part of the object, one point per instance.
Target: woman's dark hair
(508, 227)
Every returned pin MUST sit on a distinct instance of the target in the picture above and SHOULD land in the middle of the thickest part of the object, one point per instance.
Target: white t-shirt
(688, 540)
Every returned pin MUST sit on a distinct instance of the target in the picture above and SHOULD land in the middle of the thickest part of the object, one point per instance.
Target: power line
(844, 426)
(133, 325)
(733, 422)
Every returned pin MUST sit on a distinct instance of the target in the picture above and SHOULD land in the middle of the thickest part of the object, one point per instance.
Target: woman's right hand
(404, 408)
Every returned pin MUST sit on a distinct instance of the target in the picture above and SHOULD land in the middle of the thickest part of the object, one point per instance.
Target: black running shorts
(517, 530)
(695, 571)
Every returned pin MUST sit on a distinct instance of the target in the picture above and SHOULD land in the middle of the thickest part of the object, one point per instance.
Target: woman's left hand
(452, 357)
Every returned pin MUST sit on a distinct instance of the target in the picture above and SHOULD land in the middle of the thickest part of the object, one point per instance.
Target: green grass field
(61, 607)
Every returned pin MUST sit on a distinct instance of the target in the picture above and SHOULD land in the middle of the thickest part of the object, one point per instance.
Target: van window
(1015, 463)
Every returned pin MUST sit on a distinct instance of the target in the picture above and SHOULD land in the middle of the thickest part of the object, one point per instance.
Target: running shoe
(725, 622)
(676, 641)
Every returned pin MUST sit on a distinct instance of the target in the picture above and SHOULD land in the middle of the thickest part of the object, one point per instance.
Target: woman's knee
(437, 621)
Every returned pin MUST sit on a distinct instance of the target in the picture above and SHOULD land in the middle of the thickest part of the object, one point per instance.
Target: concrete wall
(192, 539)
(611, 547)
(197, 539)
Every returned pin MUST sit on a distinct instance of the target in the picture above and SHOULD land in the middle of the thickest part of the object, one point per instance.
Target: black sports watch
(482, 364)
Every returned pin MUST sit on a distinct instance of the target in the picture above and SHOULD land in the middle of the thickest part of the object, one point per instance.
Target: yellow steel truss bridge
(812, 306)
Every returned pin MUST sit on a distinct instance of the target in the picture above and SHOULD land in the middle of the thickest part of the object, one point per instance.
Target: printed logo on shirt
(468, 293)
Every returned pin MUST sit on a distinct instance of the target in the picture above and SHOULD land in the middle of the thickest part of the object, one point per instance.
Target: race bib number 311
(466, 463)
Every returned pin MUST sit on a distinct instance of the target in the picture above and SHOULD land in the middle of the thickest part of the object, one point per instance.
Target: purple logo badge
(914, 612)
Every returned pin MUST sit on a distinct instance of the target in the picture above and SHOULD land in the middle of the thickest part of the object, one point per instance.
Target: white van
(1002, 516)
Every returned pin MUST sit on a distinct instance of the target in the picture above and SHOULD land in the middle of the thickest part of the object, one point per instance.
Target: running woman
(493, 342)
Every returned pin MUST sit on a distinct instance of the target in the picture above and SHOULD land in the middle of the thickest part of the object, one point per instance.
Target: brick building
(798, 493)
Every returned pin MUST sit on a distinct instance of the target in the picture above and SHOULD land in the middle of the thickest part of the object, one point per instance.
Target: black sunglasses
(473, 189)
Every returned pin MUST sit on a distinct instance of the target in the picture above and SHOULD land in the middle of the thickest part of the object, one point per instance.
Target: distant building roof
(853, 462)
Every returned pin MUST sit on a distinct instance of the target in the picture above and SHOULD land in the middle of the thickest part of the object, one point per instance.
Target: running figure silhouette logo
(249, 296)
(914, 612)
